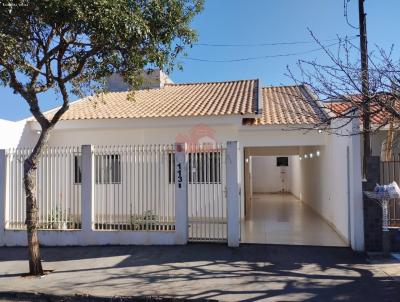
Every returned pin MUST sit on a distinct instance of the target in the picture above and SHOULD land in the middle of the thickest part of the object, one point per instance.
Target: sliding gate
(207, 207)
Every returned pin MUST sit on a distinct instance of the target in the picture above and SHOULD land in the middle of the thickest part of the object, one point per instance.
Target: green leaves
(49, 43)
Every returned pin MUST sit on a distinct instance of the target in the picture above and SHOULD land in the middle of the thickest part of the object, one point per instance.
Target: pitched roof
(379, 115)
(289, 105)
(173, 100)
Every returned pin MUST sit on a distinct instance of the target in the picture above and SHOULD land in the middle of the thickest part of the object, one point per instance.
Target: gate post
(232, 187)
(181, 193)
(87, 210)
(3, 197)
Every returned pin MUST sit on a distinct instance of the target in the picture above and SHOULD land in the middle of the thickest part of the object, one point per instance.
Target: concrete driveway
(212, 271)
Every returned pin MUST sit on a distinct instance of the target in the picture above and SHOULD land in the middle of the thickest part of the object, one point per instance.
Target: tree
(342, 80)
(72, 46)
(352, 83)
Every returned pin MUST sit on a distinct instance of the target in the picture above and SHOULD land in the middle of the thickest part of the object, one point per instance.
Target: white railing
(207, 192)
(58, 189)
(106, 191)
(134, 188)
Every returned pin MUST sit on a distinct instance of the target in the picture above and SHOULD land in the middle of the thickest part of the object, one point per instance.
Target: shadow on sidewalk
(311, 273)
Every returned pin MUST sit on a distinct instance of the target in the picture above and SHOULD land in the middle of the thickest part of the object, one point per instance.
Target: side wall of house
(295, 179)
(324, 184)
(331, 184)
(11, 133)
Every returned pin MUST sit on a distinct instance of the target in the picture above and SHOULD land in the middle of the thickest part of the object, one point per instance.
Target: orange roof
(282, 105)
(379, 116)
(287, 105)
(173, 100)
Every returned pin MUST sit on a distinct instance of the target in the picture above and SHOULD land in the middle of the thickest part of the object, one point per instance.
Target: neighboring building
(280, 151)
(379, 125)
(11, 133)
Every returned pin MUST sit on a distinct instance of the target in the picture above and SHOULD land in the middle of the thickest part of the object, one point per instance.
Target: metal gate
(207, 206)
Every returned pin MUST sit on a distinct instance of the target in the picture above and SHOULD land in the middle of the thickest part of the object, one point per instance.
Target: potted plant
(144, 222)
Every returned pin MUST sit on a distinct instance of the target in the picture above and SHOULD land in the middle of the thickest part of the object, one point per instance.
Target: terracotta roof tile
(379, 115)
(286, 105)
(173, 100)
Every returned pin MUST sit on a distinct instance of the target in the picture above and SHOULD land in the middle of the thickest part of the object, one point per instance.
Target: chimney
(151, 79)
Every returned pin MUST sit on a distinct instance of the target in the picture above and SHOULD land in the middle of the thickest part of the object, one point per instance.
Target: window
(77, 169)
(107, 169)
(204, 167)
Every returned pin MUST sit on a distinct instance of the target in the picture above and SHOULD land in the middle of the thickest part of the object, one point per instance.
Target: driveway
(212, 271)
(284, 219)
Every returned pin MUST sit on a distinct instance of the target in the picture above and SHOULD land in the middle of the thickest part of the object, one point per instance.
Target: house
(385, 147)
(254, 166)
(379, 123)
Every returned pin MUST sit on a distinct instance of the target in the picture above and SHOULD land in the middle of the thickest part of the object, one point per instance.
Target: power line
(263, 44)
(346, 15)
(262, 57)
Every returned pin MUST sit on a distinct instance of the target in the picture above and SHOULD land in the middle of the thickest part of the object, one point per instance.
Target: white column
(181, 193)
(233, 198)
(3, 197)
(356, 195)
(87, 188)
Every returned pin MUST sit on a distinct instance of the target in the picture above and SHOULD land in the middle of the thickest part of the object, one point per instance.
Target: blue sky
(257, 22)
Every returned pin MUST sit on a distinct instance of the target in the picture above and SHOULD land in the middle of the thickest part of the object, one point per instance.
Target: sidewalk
(212, 271)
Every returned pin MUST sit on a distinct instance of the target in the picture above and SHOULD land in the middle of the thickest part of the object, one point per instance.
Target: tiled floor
(283, 219)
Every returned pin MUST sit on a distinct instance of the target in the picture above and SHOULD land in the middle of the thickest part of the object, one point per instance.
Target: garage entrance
(286, 199)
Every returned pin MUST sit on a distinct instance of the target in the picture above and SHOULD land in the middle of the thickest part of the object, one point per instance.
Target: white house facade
(255, 170)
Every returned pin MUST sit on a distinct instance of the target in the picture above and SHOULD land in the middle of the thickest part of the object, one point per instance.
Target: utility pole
(365, 86)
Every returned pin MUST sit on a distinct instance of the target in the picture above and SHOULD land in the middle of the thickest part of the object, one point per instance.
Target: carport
(289, 198)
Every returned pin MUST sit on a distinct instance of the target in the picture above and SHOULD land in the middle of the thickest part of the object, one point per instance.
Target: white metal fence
(58, 195)
(134, 188)
(207, 193)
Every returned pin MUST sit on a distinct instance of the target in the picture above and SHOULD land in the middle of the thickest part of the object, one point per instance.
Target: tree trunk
(32, 209)
(366, 146)
(366, 110)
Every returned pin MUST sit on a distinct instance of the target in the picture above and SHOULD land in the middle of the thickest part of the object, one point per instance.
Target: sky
(255, 22)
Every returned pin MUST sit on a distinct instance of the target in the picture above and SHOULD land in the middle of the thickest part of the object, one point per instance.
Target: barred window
(77, 169)
(204, 167)
(107, 169)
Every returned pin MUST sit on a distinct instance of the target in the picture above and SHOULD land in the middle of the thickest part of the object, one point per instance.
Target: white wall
(268, 177)
(166, 130)
(131, 136)
(10, 133)
(295, 179)
(325, 182)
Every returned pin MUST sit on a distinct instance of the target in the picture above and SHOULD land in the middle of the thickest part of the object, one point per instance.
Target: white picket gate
(207, 206)
(133, 188)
